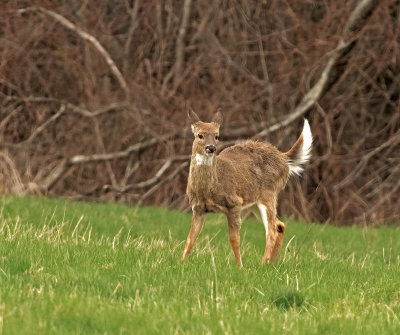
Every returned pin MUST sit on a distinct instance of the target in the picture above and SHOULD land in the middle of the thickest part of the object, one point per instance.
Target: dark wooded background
(93, 97)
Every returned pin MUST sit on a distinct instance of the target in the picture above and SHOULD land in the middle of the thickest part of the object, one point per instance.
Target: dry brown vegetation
(93, 97)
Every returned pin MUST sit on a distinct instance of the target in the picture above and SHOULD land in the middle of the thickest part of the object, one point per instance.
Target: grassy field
(109, 269)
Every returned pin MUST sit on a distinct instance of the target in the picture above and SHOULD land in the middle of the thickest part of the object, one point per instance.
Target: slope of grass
(109, 269)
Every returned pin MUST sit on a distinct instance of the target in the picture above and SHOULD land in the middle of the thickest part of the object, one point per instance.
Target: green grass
(110, 269)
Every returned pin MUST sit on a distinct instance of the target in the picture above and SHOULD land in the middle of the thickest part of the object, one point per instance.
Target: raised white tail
(300, 153)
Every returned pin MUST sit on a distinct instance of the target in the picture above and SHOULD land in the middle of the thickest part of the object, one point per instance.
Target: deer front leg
(195, 229)
(234, 224)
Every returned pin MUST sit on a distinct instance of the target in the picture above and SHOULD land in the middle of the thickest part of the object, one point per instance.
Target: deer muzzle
(210, 149)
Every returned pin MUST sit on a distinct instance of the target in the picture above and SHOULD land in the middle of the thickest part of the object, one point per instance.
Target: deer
(247, 175)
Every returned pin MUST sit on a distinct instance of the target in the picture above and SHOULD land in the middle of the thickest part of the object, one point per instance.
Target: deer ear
(192, 116)
(218, 117)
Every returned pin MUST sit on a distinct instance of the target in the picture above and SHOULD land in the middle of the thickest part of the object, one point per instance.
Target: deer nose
(210, 149)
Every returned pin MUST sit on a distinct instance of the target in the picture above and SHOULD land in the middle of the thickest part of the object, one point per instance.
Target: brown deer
(247, 175)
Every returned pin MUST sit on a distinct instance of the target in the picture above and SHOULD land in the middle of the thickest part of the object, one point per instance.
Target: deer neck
(203, 173)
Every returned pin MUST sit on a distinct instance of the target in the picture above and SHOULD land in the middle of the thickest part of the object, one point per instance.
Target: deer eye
(200, 136)
(217, 137)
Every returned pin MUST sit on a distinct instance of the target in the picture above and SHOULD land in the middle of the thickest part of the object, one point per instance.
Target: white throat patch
(204, 159)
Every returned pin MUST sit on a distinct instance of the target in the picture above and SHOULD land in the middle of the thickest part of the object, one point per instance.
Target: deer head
(206, 137)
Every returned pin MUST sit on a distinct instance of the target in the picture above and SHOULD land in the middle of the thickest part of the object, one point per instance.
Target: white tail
(301, 151)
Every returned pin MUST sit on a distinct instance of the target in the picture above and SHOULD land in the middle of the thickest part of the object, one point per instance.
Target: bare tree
(93, 99)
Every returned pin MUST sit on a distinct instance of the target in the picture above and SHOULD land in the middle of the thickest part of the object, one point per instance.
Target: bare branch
(132, 28)
(156, 177)
(157, 186)
(64, 106)
(360, 15)
(85, 36)
(45, 124)
(53, 178)
(146, 183)
(238, 67)
(268, 84)
(395, 139)
(124, 188)
(103, 149)
(331, 72)
(129, 170)
(180, 42)
(82, 159)
(113, 107)
(180, 48)
(10, 179)
(37, 131)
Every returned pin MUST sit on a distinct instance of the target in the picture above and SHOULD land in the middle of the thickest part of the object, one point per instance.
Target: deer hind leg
(269, 233)
(234, 224)
(276, 252)
(274, 231)
(195, 229)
